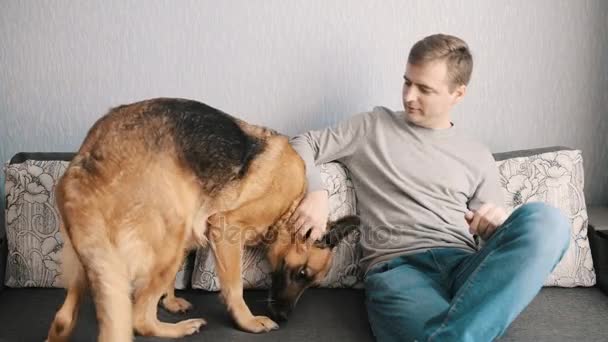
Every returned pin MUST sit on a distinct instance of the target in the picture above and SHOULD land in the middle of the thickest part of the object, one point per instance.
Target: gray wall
(540, 76)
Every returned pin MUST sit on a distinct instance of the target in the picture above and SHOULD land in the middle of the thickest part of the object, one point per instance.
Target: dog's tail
(97, 263)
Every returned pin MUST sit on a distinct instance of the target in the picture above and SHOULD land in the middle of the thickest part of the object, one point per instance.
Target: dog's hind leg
(107, 276)
(174, 304)
(145, 320)
(198, 239)
(75, 282)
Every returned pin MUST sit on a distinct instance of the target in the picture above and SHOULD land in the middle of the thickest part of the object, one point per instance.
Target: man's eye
(424, 91)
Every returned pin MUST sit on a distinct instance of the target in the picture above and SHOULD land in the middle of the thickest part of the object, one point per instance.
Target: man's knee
(542, 226)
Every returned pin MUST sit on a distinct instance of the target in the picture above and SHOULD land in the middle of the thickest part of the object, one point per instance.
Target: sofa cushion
(345, 271)
(556, 178)
(32, 222)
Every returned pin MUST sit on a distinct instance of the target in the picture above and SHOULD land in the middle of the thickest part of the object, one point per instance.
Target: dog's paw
(190, 326)
(259, 324)
(176, 304)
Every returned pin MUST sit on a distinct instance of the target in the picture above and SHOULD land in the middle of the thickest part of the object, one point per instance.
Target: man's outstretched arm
(318, 147)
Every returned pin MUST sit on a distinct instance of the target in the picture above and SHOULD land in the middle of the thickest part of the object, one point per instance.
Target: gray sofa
(334, 314)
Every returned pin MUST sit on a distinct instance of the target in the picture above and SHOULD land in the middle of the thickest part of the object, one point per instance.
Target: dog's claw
(260, 324)
(191, 326)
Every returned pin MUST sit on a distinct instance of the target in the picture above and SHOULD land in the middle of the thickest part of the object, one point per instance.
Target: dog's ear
(338, 230)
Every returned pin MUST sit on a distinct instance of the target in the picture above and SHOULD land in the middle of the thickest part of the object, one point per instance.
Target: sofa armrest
(598, 241)
(598, 217)
(3, 257)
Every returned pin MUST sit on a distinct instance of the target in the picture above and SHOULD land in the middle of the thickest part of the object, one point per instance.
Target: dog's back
(140, 189)
(198, 137)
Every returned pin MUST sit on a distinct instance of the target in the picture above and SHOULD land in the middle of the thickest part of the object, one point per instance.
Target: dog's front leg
(228, 251)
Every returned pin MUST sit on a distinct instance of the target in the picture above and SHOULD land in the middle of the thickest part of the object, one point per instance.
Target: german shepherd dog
(156, 178)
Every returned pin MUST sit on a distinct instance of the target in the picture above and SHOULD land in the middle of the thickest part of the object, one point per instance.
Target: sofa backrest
(529, 152)
(552, 174)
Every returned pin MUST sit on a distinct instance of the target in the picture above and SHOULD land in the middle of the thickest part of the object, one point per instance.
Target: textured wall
(540, 76)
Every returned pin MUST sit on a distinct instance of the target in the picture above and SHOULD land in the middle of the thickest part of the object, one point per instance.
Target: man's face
(427, 99)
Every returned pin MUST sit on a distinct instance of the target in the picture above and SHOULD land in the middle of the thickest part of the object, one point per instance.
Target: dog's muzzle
(279, 312)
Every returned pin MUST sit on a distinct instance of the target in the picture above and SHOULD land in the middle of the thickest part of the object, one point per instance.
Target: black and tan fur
(156, 178)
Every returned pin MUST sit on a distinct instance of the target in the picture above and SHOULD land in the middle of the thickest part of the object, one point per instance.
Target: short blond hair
(453, 50)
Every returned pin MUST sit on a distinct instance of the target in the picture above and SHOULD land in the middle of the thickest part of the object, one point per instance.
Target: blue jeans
(450, 294)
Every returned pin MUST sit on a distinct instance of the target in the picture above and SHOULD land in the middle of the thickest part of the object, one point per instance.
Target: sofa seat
(556, 314)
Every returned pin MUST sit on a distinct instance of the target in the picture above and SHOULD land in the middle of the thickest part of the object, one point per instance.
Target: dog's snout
(279, 312)
(282, 315)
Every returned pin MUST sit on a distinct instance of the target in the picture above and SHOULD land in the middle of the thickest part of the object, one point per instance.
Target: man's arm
(318, 147)
(486, 211)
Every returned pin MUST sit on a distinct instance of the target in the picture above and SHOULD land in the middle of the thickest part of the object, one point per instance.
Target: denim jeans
(450, 294)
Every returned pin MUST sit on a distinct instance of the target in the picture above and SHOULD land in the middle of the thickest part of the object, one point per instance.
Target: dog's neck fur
(282, 226)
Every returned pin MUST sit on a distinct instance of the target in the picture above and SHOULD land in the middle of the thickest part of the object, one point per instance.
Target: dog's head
(298, 264)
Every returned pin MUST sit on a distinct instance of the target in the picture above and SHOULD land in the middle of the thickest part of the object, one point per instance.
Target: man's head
(436, 76)
(298, 263)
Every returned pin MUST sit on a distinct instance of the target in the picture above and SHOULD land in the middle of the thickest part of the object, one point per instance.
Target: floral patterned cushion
(32, 226)
(345, 271)
(555, 178)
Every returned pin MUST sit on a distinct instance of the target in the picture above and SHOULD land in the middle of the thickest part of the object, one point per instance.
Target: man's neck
(437, 126)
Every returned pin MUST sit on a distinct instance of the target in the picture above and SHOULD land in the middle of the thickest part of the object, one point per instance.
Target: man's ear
(338, 230)
(459, 93)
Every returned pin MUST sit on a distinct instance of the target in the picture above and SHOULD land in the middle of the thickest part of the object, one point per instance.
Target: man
(424, 192)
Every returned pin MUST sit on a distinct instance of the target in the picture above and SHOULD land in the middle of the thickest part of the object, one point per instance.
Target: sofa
(571, 307)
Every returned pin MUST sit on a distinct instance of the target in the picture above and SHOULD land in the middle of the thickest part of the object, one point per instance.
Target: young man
(424, 191)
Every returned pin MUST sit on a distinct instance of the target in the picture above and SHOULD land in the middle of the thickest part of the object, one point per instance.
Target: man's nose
(410, 94)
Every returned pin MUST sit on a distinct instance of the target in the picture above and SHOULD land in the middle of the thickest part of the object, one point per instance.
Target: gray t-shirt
(413, 184)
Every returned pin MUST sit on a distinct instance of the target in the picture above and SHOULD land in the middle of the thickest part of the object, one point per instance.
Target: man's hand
(484, 221)
(311, 215)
